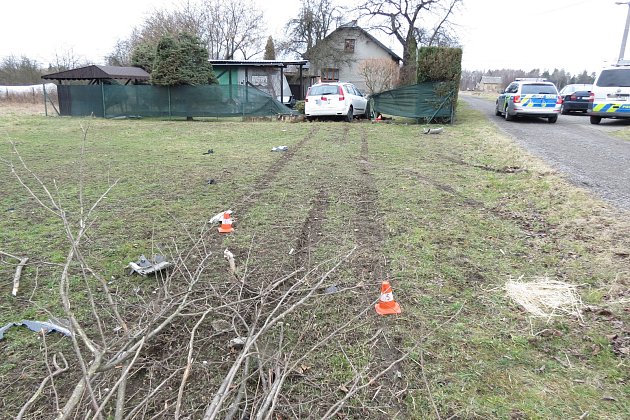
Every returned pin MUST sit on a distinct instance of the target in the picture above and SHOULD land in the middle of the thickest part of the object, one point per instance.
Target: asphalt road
(585, 153)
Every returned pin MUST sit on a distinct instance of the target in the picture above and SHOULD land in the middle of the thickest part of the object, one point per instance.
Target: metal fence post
(103, 97)
(45, 97)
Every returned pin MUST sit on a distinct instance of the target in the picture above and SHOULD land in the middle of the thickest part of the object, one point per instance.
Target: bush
(299, 106)
(439, 64)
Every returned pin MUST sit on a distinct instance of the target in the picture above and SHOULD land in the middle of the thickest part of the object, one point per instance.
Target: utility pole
(625, 32)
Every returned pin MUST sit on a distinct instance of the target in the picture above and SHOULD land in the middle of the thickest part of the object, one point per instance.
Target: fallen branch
(18, 271)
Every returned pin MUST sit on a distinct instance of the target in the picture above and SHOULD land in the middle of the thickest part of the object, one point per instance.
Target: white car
(610, 96)
(335, 99)
(529, 97)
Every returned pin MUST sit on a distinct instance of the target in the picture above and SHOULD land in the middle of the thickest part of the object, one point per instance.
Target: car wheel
(563, 111)
(595, 120)
(552, 119)
(349, 116)
(496, 110)
(507, 115)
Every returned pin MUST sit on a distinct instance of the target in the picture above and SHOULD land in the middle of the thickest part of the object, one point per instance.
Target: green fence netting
(429, 101)
(112, 101)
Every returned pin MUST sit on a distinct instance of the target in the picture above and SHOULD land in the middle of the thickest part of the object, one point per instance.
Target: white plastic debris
(219, 217)
(433, 130)
(145, 266)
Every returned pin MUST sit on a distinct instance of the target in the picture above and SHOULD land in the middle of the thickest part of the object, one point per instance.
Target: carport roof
(258, 63)
(95, 72)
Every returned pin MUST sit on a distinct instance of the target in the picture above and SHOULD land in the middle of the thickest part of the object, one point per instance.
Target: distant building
(490, 84)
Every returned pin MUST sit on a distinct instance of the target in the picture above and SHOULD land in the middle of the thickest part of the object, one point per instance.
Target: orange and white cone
(226, 223)
(386, 304)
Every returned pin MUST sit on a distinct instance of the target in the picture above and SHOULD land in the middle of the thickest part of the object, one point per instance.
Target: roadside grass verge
(447, 218)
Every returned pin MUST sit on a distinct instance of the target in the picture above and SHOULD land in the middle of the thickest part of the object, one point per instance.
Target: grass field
(447, 218)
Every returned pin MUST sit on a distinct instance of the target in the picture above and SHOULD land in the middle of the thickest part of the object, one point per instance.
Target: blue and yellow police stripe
(611, 108)
(545, 102)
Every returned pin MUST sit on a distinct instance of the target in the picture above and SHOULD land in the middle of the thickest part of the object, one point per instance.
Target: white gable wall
(364, 48)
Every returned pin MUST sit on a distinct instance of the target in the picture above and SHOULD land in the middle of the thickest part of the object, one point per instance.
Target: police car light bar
(531, 79)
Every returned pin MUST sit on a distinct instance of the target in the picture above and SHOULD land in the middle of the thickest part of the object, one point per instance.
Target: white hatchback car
(335, 99)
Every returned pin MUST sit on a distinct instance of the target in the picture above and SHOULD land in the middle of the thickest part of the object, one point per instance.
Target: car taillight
(559, 100)
(516, 99)
(340, 91)
(591, 97)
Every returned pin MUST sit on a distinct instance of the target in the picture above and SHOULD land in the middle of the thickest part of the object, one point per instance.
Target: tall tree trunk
(408, 72)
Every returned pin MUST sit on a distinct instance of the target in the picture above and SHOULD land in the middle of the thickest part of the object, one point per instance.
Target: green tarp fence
(112, 101)
(429, 101)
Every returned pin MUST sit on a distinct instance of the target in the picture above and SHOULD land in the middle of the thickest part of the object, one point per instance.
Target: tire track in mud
(242, 205)
(310, 234)
(370, 266)
(272, 172)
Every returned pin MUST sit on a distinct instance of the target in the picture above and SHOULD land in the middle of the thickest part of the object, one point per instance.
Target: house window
(330, 74)
(349, 46)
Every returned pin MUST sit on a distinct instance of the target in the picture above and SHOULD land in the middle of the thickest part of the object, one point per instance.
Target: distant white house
(490, 84)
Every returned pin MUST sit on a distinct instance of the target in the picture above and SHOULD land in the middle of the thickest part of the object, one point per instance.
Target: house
(342, 54)
(490, 84)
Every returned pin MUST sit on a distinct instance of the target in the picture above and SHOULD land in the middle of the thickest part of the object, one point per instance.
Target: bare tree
(406, 20)
(66, 60)
(226, 28)
(233, 27)
(380, 74)
(316, 19)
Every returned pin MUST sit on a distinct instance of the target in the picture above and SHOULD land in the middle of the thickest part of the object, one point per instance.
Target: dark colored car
(575, 98)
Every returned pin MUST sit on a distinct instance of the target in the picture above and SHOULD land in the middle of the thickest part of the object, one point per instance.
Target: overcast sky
(575, 35)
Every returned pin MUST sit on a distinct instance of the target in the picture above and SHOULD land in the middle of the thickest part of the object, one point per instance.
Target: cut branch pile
(543, 297)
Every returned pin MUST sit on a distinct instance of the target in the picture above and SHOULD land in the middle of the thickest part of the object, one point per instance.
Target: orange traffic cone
(386, 304)
(226, 223)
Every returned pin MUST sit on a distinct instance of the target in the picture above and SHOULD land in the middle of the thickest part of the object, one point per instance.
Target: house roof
(258, 63)
(491, 79)
(353, 25)
(99, 73)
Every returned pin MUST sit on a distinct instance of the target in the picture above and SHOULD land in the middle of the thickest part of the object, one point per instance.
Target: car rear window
(614, 77)
(324, 90)
(538, 89)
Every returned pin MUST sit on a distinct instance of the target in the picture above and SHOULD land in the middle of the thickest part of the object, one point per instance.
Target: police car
(610, 95)
(530, 97)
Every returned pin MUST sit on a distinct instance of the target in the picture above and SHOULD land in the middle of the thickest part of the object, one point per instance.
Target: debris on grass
(145, 266)
(219, 217)
(543, 297)
(331, 289)
(280, 149)
(230, 257)
(238, 343)
(18, 271)
(209, 152)
(433, 130)
(37, 326)
(211, 181)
